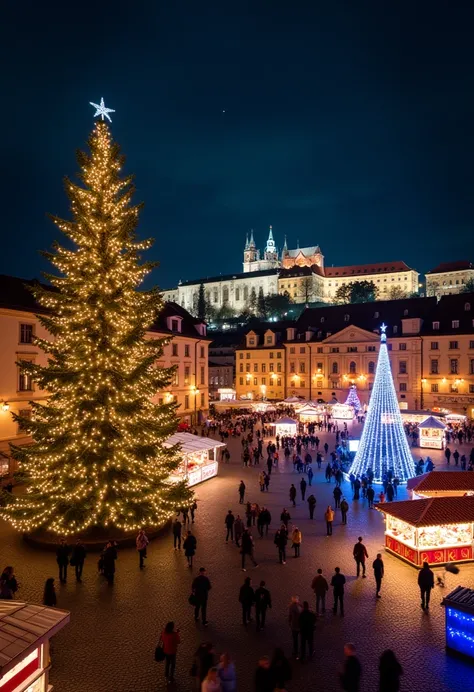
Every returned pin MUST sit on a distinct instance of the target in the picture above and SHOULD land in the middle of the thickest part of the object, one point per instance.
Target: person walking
(8, 584)
(204, 660)
(337, 582)
(247, 549)
(285, 517)
(141, 543)
(226, 673)
(329, 517)
(264, 676)
(307, 625)
(246, 600)
(296, 538)
(281, 541)
(192, 510)
(238, 530)
(360, 553)
(281, 669)
(49, 594)
(229, 524)
(263, 600)
(200, 589)
(447, 454)
(337, 492)
(77, 558)
(241, 493)
(426, 583)
(170, 640)
(303, 485)
(310, 475)
(177, 528)
(352, 671)
(344, 505)
(370, 496)
(109, 557)
(378, 568)
(294, 612)
(211, 682)
(293, 494)
(190, 545)
(320, 588)
(311, 505)
(62, 558)
(390, 672)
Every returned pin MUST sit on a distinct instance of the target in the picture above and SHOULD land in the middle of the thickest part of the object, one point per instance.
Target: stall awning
(285, 420)
(432, 511)
(454, 481)
(193, 443)
(432, 422)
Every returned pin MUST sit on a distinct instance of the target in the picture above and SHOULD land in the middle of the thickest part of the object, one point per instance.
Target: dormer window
(174, 323)
(201, 329)
(455, 324)
(467, 307)
(346, 318)
(322, 320)
(405, 313)
(435, 325)
(376, 315)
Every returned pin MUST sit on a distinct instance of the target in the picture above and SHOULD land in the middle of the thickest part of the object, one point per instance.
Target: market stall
(432, 433)
(25, 631)
(199, 458)
(459, 619)
(226, 394)
(285, 426)
(434, 530)
(443, 484)
(342, 412)
(311, 414)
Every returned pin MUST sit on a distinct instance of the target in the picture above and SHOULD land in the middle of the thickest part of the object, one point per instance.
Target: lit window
(455, 324)
(26, 333)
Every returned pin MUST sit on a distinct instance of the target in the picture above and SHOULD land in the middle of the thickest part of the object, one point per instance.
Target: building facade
(449, 278)
(300, 272)
(187, 350)
(431, 350)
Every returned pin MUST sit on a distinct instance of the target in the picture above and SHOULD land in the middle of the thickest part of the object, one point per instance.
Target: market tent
(192, 443)
(431, 511)
(432, 422)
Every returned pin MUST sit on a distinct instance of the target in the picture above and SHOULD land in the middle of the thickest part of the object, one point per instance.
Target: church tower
(250, 252)
(270, 253)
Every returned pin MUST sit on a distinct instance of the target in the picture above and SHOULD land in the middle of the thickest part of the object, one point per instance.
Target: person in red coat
(170, 639)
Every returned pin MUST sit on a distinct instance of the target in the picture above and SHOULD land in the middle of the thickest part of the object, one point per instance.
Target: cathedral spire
(252, 241)
(270, 235)
(246, 241)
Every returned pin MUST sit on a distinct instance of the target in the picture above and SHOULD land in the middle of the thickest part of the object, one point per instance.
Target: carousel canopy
(432, 511)
(432, 422)
(454, 481)
(286, 420)
(192, 443)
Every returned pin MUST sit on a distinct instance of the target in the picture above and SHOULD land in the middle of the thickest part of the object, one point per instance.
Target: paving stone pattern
(109, 644)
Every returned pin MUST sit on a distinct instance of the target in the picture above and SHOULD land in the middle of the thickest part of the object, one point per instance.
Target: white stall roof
(193, 443)
(23, 627)
(285, 420)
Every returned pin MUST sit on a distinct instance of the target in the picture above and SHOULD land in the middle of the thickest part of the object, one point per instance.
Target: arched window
(346, 318)
(335, 368)
(322, 319)
(237, 294)
(405, 313)
(352, 368)
(225, 294)
(371, 367)
(467, 306)
(246, 292)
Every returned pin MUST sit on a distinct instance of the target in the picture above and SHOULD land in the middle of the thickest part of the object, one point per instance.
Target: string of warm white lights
(98, 456)
(383, 445)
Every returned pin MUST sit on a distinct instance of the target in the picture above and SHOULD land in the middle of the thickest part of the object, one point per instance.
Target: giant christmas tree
(98, 457)
(383, 445)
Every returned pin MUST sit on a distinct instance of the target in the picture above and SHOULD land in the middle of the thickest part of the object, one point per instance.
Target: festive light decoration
(353, 400)
(98, 457)
(102, 110)
(460, 631)
(383, 445)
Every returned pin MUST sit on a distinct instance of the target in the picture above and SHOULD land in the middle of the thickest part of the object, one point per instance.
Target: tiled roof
(432, 511)
(289, 272)
(15, 294)
(22, 625)
(188, 324)
(306, 251)
(229, 277)
(446, 480)
(451, 267)
(361, 269)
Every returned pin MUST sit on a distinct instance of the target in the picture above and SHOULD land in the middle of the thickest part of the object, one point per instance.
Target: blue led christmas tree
(353, 400)
(383, 445)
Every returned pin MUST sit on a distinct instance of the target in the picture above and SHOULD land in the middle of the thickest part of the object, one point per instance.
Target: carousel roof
(446, 480)
(286, 420)
(432, 422)
(432, 511)
(192, 443)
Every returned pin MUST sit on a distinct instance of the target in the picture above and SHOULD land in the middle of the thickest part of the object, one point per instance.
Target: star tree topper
(102, 110)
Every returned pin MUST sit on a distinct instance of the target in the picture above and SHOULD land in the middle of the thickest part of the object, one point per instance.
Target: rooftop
(192, 443)
(457, 266)
(455, 481)
(229, 277)
(432, 422)
(306, 251)
(432, 511)
(23, 626)
(361, 269)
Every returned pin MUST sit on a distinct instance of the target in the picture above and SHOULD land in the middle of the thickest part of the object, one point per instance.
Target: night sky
(348, 124)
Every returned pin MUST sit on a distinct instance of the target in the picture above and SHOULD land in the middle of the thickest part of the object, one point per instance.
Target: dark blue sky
(348, 124)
